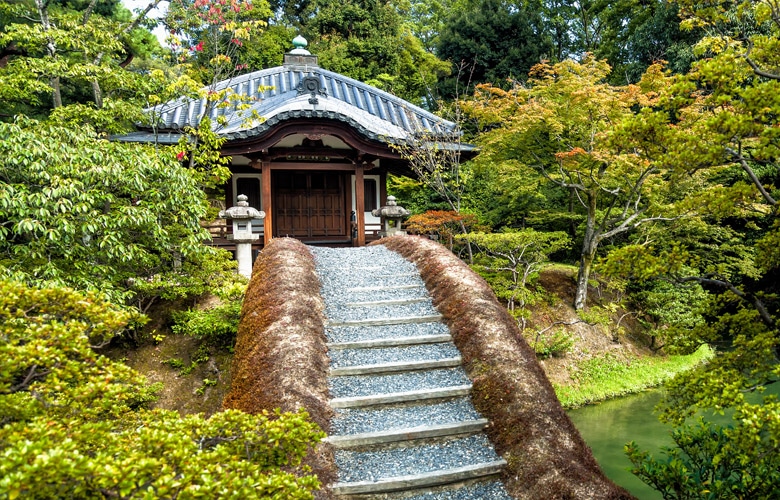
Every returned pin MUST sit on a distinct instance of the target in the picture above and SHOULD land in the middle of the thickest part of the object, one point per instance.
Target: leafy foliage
(703, 463)
(368, 41)
(71, 55)
(515, 257)
(216, 325)
(92, 214)
(566, 126)
(73, 422)
(483, 35)
(49, 368)
(444, 224)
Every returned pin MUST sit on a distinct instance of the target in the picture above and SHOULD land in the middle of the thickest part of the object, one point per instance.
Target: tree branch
(753, 177)
(32, 374)
(755, 67)
(749, 298)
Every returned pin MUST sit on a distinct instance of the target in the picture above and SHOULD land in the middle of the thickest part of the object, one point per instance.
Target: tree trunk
(590, 244)
(468, 243)
(51, 50)
(583, 274)
(97, 93)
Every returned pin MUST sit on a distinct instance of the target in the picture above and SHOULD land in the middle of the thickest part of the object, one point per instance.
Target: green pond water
(607, 426)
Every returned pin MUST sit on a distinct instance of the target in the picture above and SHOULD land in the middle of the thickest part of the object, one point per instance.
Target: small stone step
(400, 366)
(366, 333)
(390, 342)
(343, 358)
(398, 417)
(400, 397)
(384, 287)
(414, 481)
(383, 303)
(387, 321)
(407, 434)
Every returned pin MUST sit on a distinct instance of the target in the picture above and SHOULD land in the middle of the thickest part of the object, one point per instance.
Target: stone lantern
(391, 215)
(242, 215)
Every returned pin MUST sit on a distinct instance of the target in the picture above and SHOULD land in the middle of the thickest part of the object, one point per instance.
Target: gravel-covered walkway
(375, 286)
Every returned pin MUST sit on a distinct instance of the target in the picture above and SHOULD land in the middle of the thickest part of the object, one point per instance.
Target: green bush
(73, 422)
(218, 325)
(556, 344)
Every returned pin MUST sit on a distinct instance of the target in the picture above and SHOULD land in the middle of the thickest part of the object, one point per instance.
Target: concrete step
(400, 366)
(384, 287)
(387, 321)
(400, 397)
(415, 481)
(407, 434)
(391, 342)
(384, 303)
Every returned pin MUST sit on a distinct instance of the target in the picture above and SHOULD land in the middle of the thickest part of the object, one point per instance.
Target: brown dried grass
(281, 357)
(547, 458)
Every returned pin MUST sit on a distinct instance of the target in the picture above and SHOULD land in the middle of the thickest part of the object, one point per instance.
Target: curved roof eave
(277, 94)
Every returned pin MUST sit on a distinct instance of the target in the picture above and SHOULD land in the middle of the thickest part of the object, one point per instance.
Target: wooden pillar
(267, 202)
(360, 207)
(382, 188)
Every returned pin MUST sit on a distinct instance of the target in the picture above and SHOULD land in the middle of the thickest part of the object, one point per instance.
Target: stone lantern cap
(242, 210)
(391, 210)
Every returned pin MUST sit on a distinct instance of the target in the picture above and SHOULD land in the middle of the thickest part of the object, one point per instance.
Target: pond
(607, 426)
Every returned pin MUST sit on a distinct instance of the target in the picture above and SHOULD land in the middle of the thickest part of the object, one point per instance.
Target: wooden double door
(310, 205)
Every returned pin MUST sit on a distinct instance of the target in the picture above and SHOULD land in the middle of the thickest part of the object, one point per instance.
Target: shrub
(217, 325)
(73, 422)
(555, 344)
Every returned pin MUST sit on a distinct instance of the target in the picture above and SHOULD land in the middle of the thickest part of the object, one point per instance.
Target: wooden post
(360, 205)
(382, 188)
(267, 203)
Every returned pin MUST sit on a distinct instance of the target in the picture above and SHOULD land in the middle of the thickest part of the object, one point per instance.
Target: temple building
(317, 160)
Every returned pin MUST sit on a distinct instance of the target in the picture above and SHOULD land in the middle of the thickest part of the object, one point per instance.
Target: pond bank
(607, 376)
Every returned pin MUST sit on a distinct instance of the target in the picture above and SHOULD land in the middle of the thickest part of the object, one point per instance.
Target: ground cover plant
(605, 377)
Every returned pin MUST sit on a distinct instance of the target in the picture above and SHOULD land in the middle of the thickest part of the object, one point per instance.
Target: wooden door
(310, 206)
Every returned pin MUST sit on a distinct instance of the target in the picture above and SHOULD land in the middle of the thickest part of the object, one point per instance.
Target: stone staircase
(404, 425)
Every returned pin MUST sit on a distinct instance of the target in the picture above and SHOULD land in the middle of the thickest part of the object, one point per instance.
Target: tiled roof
(373, 112)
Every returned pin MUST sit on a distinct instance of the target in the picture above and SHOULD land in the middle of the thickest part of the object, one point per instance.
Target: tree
(81, 211)
(496, 39)
(436, 160)
(53, 51)
(720, 125)
(74, 423)
(566, 127)
(368, 41)
(515, 256)
(637, 34)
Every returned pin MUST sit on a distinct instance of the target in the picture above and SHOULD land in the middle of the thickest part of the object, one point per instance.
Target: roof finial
(299, 42)
(299, 56)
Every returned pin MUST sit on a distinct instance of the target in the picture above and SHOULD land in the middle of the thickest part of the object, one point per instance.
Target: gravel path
(348, 277)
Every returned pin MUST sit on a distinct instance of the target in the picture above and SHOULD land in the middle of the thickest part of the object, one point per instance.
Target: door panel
(310, 205)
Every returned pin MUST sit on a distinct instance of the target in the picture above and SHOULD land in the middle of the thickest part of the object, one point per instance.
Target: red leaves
(570, 154)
